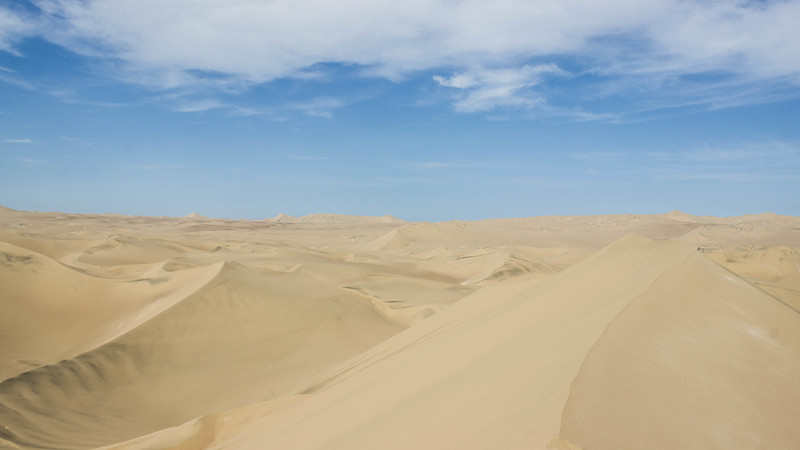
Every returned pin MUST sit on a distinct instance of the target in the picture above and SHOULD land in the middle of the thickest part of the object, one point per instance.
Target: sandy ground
(353, 332)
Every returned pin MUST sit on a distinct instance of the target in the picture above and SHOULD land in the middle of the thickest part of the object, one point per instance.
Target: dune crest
(51, 312)
(717, 355)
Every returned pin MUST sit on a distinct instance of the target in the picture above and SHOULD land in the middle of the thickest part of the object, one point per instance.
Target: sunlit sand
(355, 332)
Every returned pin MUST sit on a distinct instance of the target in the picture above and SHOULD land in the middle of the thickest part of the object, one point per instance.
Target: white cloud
(491, 88)
(15, 25)
(459, 80)
(18, 141)
(626, 44)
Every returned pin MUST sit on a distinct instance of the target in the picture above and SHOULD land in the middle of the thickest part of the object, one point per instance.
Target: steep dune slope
(494, 370)
(498, 369)
(701, 360)
(763, 249)
(246, 336)
(51, 312)
(775, 269)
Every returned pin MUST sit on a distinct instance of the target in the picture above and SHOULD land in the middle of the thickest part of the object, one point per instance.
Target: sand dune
(335, 218)
(244, 336)
(50, 312)
(628, 331)
(719, 357)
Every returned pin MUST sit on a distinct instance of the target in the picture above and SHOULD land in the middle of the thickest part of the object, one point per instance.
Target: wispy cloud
(321, 107)
(600, 155)
(198, 106)
(9, 76)
(705, 173)
(18, 141)
(297, 157)
(70, 95)
(766, 152)
(759, 161)
(486, 89)
(438, 165)
(15, 25)
(75, 140)
(494, 54)
(398, 181)
(151, 166)
(309, 158)
(544, 182)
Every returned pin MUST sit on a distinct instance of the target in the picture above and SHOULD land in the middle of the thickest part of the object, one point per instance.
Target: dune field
(356, 332)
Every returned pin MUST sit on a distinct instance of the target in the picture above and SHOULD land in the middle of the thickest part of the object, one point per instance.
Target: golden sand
(354, 332)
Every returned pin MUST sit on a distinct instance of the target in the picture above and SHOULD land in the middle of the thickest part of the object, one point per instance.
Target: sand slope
(53, 312)
(701, 360)
(601, 345)
(368, 332)
(243, 337)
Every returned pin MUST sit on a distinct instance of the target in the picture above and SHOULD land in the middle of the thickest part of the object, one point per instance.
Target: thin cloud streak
(309, 158)
(15, 25)
(75, 140)
(437, 165)
(320, 107)
(755, 162)
(689, 173)
(152, 166)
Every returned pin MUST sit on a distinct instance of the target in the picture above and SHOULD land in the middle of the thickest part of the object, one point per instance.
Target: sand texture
(354, 332)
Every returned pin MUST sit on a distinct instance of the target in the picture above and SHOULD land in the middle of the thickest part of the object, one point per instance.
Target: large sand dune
(330, 331)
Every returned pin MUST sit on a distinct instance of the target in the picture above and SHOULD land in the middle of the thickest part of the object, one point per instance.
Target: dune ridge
(150, 370)
(51, 312)
(523, 351)
(530, 373)
(345, 332)
(676, 352)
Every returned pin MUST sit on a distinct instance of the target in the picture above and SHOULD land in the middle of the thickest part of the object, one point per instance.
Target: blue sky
(427, 110)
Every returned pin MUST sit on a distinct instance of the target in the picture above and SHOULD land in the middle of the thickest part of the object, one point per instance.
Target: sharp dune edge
(330, 331)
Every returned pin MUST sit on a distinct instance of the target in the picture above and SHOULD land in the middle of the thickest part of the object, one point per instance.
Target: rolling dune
(330, 331)
(52, 312)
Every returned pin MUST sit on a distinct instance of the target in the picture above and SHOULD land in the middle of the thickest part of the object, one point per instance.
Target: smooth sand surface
(330, 331)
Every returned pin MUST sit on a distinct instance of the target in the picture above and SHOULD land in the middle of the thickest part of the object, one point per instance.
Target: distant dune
(335, 218)
(332, 331)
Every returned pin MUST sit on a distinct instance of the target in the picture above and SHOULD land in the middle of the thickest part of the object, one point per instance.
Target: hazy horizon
(255, 217)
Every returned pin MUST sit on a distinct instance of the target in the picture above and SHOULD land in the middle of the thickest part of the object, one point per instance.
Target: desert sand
(357, 332)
